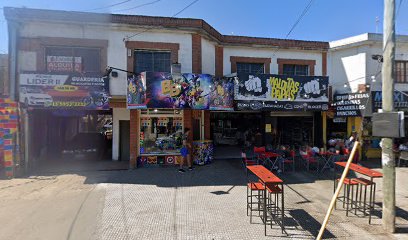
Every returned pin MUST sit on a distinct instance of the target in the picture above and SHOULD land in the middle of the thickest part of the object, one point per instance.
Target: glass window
(161, 131)
(252, 68)
(292, 69)
(73, 59)
(401, 71)
(152, 61)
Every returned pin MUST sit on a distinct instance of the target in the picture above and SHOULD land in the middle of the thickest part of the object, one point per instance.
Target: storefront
(292, 107)
(67, 117)
(165, 105)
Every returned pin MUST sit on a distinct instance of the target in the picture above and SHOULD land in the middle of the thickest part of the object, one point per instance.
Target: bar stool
(274, 193)
(348, 187)
(363, 182)
(254, 192)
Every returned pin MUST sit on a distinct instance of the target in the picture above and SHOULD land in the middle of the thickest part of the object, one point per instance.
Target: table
(366, 172)
(267, 177)
(328, 158)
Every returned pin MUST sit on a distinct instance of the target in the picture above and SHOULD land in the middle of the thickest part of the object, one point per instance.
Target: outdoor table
(328, 158)
(271, 157)
(366, 172)
(267, 177)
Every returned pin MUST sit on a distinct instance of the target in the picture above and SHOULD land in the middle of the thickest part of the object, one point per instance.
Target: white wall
(117, 52)
(269, 53)
(118, 114)
(345, 65)
(208, 56)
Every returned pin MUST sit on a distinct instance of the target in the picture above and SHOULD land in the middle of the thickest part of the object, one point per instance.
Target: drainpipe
(12, 49)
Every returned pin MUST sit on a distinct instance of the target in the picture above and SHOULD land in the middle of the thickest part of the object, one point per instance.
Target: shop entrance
(290, 129)
(68, 136)
(124, 140)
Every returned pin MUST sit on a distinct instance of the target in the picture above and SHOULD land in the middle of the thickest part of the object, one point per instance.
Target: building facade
(82, 45)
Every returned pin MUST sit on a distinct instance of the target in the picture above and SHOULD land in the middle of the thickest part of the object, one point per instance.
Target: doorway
(124, 140)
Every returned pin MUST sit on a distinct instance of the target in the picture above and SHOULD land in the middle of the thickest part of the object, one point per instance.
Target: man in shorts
(184, 151)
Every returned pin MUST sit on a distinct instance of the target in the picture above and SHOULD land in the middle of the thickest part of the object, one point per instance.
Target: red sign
(64, 64)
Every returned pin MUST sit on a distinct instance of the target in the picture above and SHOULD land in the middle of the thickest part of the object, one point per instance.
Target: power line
(109, 6)
(138, 6)
(174, 15)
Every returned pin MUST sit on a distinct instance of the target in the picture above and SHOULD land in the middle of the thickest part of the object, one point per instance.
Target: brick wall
(310, 63)
(132, 45)
(188, 122)
(219, 61)
(265, 61)
(134, 137)
(207, 125)
(196, 57)
(324, 63)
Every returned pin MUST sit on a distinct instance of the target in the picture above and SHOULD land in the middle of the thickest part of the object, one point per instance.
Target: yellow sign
(66, 88)
(268, 128)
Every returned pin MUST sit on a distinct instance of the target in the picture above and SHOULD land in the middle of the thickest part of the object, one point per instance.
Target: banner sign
(136, 91)
(222, 94)
(400, 100)
(64, 64)
(350, 104)
(166, 90)
(64, 91)
(281, 92)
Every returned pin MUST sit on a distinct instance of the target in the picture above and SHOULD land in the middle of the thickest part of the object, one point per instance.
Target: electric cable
(138, 6)
(148, 29)
(109, 6)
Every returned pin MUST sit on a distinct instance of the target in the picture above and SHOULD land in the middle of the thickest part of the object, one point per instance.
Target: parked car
(87, 145)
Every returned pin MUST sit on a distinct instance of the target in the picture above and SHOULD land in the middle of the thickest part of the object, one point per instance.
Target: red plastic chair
(309, 159)
(259, 153)
(290, 161)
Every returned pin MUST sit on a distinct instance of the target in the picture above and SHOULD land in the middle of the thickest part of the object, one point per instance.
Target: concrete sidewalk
(161, 203)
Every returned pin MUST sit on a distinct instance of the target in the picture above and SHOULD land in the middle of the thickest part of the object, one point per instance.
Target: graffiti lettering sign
(166, 90)
(281, 92)
(350, 104)
(64, 91)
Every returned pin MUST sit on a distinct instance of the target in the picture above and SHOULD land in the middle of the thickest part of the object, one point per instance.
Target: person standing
(184, 151)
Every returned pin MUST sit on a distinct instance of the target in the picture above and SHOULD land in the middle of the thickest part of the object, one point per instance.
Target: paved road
(160, 203)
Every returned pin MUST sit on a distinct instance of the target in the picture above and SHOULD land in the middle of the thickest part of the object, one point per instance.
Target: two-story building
(58, 63)
(355, 65)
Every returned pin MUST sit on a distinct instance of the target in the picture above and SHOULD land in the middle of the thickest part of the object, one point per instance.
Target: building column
(196, 56)
(134, 137)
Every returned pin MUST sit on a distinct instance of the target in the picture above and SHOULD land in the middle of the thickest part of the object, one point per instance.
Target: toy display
(203, 152)
(9, 150)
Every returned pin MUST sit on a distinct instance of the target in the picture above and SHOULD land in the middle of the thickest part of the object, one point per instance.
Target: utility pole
(388, 161)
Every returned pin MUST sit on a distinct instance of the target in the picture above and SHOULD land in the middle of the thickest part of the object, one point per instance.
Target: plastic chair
(259, 153)
(290, 161)
(308, 160)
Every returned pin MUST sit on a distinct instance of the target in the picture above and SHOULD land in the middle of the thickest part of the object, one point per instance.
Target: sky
(326, 20)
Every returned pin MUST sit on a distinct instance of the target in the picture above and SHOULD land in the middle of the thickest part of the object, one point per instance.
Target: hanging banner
(165, 90)
(350, 104)
(136, 91)
(222, 94)
(64, 91)
(280, 92)
(64, 64)
(400, 100)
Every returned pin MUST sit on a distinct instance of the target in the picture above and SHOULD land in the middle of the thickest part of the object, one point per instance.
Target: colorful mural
(9, 149)
(222, 94)
(188, 90)
(136, 92)
(203, 152)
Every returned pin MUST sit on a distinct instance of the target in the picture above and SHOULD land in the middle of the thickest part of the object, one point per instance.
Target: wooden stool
(362, 182)
(273, 204)
(348, 186)
(254, 190)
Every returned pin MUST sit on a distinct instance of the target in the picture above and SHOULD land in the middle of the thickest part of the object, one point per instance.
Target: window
(252, 68)
(152, 61)
(161, 131)
(292, 69)
(401, 71)
(73, 59)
